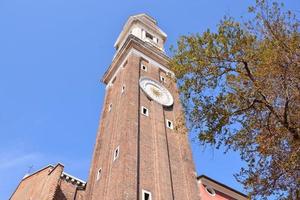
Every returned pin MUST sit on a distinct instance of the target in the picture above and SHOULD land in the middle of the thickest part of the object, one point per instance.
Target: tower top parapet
(143, 27)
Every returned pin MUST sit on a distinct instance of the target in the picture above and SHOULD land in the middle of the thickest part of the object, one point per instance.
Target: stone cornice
(137, 19)
(146, 48)
(72, 179)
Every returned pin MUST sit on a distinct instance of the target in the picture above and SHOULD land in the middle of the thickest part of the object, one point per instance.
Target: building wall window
(109, 107)
(146, 195)
(210, 190)
(145, 111)
(169, 124)
(144, 67)
(123, 89)
(99, 172)
(148, 35)
(116, 153)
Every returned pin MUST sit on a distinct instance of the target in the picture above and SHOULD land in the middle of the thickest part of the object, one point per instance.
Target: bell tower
(139, 154)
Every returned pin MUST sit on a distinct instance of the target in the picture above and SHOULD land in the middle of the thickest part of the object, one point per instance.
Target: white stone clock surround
(156, 91)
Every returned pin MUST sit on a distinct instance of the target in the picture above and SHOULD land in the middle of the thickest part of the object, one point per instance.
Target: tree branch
(295, 132)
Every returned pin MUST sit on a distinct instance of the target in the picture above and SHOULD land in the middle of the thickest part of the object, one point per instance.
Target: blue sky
(52, 56)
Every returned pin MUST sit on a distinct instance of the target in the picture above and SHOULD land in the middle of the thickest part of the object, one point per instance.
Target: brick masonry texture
(152, 157)
(47, 184)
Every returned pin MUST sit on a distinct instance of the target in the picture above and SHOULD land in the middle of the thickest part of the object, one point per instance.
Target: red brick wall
(80, 195)
(41, 185)
(157, 159)
(118, 128)
(47, 184)
(66, 190)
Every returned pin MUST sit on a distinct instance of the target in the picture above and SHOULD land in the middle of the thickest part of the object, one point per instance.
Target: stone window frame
(146, 192)
(123, 89)
(99, 174)
(169, 124)
(143, 108)
(144, 67)
(149, 35)
(210, 190)
(162, 79)
(109, 107)
(117, 153)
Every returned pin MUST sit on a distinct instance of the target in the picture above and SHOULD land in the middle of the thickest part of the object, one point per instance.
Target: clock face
(156, 91)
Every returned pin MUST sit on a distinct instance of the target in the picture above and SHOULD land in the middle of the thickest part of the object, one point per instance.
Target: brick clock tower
(139, 154)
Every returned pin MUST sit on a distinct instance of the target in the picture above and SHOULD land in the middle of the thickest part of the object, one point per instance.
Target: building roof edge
(221, 184)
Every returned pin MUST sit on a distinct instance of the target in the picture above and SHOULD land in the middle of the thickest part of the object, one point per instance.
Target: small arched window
(210, 190)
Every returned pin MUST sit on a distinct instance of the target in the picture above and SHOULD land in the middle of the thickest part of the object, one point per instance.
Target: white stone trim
(148, 85)
(131, 20)
(116, 72)
(73, 178)
(151, 61)
(138, 53)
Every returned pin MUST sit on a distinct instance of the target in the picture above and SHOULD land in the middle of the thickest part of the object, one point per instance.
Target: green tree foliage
(240, 87)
